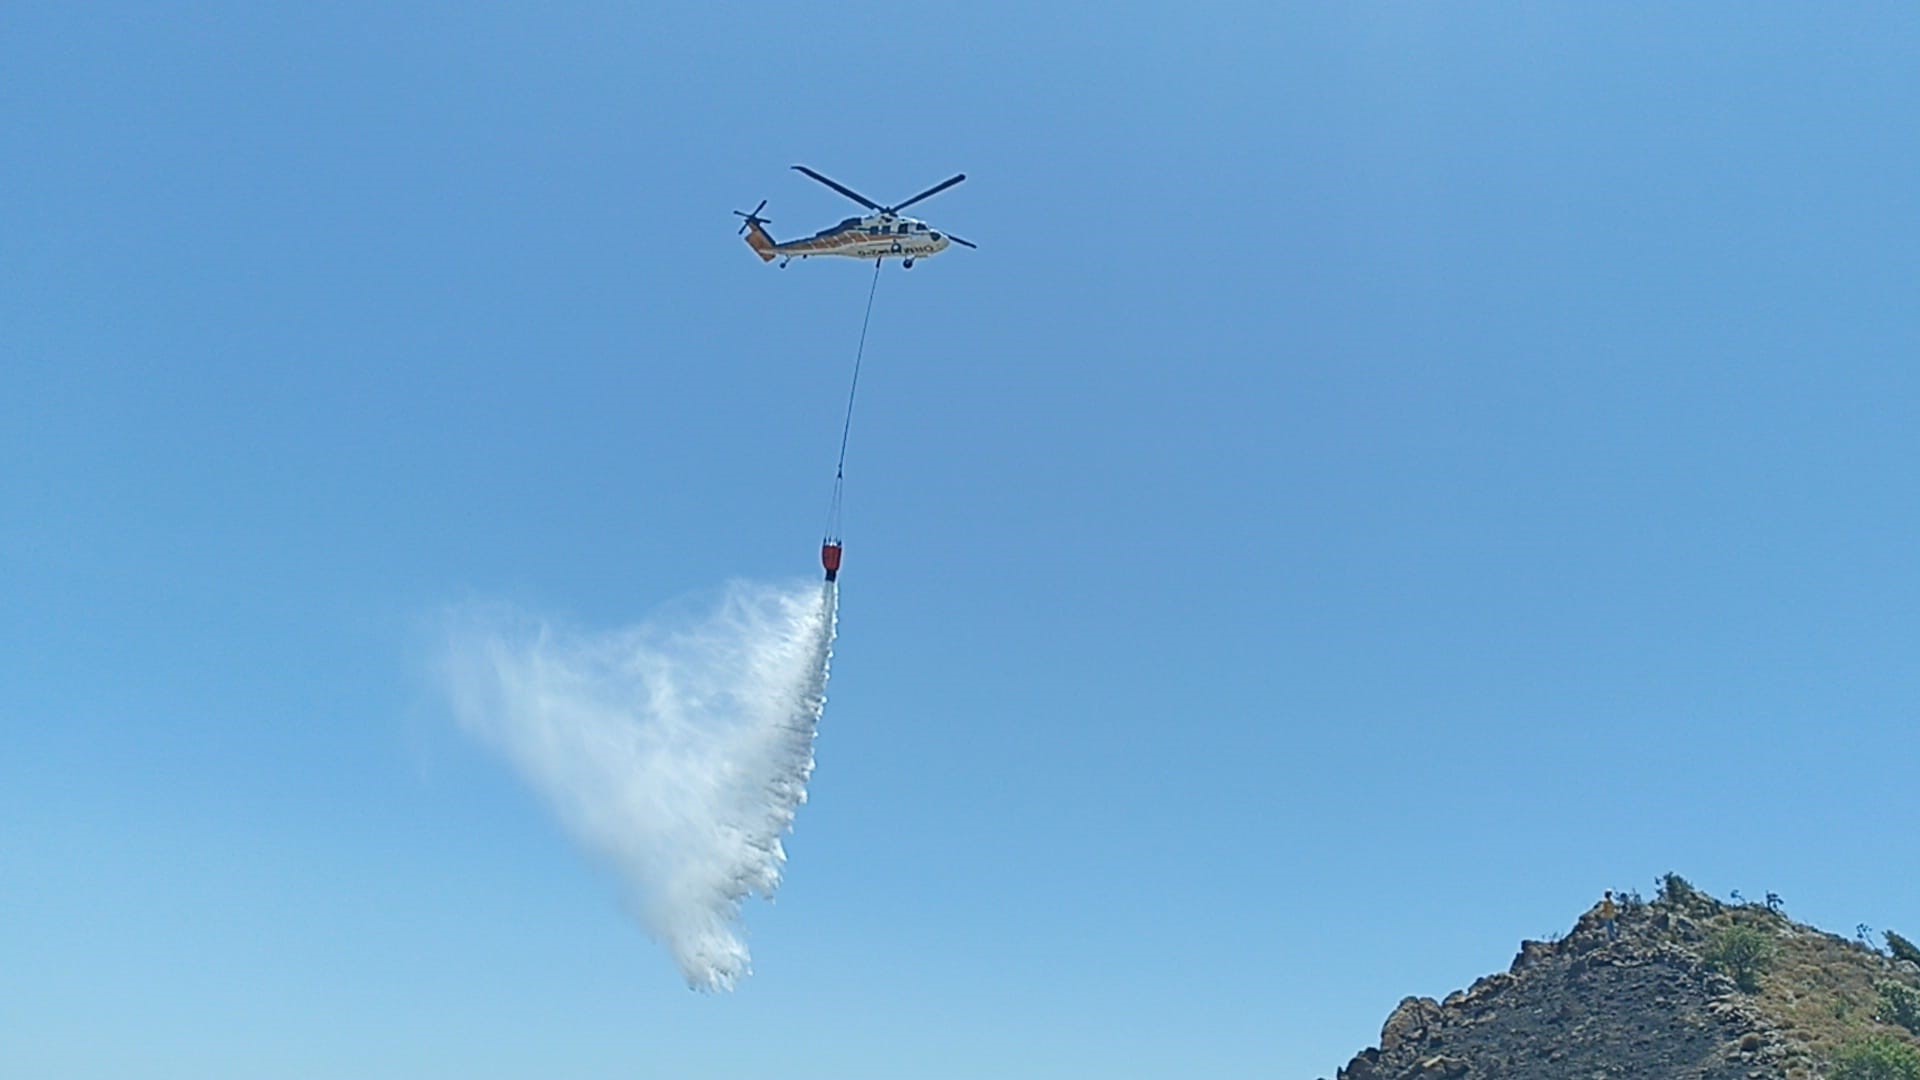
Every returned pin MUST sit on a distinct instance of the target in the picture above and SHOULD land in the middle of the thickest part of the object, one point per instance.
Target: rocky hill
(1690, 988)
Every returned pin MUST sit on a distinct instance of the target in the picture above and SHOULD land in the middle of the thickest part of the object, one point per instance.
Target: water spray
(676, 752)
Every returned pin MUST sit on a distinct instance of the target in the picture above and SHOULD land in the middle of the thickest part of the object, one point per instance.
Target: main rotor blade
(841, 188)
(957, 240)
(934, 190)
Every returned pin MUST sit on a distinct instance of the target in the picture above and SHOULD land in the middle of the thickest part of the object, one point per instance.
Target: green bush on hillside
(1877, 1058)
(1900, 1005)
(1674, 889)
(1901, 948)
(1742, 953)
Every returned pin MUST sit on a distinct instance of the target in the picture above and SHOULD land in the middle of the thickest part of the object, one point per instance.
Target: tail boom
(763, 245)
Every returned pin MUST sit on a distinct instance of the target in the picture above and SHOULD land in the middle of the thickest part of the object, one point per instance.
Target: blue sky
(1389, 473)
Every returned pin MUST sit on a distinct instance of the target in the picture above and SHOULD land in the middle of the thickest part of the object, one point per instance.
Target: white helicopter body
(882, 234)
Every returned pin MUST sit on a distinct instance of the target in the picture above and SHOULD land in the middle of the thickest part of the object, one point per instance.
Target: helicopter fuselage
(875, 236)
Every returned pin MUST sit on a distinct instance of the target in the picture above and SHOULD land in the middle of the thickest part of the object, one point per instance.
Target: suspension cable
(846, 429)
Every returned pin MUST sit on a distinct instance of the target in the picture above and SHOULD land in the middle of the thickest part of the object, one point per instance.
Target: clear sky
(1389, 473)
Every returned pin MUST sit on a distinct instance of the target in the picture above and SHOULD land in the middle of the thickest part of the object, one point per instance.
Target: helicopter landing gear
(907, 264)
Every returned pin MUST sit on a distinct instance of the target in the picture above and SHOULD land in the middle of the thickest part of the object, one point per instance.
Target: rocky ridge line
(1647, 1005)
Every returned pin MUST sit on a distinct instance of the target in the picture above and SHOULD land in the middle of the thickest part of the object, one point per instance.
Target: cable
(846, 429)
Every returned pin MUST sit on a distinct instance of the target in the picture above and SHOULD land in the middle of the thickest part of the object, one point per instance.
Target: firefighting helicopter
(882, 234)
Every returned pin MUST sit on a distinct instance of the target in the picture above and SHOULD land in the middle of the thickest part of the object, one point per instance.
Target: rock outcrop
(1644, 1004)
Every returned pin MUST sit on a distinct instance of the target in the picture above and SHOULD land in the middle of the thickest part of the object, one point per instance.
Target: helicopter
(882, 234)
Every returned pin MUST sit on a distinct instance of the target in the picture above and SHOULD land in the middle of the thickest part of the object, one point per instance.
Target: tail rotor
(753, 218)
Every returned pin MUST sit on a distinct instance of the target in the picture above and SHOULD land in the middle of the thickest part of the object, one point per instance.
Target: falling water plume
(676, 751)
